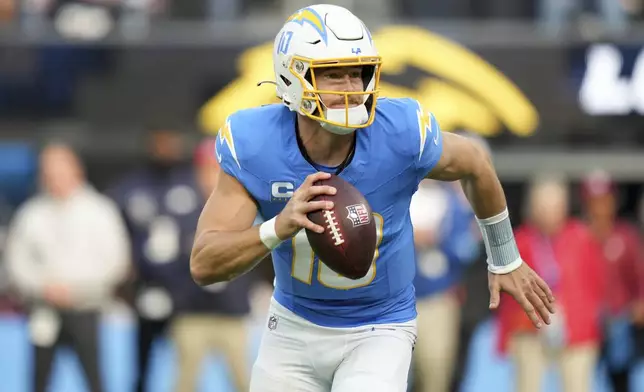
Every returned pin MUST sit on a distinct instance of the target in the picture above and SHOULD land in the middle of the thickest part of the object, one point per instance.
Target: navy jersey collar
(351, 173)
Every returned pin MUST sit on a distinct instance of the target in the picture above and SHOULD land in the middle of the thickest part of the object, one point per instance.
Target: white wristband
(267, 234)
(500, 246)
(506, 269)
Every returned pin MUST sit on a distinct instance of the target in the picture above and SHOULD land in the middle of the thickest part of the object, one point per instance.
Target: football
(348, 242)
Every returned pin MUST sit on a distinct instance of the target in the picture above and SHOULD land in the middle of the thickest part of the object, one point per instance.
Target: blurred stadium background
(549, 94)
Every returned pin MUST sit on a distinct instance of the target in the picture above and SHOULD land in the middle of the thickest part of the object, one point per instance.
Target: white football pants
(298, 356)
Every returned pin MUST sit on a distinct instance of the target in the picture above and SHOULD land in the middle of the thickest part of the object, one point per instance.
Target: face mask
(358, 115)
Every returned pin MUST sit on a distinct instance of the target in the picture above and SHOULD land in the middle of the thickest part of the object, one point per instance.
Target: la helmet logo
(488, 103)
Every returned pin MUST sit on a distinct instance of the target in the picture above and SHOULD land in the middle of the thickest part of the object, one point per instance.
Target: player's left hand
(528, 289)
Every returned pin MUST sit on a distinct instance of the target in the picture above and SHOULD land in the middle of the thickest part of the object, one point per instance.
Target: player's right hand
(293, 217)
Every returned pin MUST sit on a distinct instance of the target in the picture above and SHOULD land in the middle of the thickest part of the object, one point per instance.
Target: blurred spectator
(7, 10)
(152, 200)
(67, 250)
(563, 252)
(621, 250)
(555, 13)
(18, 170)
(92, 19)
(638, 313)
(5, 294)
(640, 213)
(445, 240)
(214, 317)
(633, 8)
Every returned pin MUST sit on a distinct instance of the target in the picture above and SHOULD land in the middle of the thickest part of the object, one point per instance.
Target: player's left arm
(466, 160)
(461, 158)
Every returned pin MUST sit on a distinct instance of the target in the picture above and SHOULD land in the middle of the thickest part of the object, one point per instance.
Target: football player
(326, 332)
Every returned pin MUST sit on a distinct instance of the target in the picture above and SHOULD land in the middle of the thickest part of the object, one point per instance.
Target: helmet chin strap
(357, 115)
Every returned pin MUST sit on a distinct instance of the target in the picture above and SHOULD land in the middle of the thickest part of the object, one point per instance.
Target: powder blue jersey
(259, 148)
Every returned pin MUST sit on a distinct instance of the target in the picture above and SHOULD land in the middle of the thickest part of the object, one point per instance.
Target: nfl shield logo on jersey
(358, 215)
(272, 323)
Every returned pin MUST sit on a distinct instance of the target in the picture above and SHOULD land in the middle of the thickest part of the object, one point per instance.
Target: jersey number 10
(304, 260)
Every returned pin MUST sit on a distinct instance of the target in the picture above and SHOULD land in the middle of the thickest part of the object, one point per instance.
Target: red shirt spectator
(566, 255)
(578, 287)
(622, 259)
(619, 240)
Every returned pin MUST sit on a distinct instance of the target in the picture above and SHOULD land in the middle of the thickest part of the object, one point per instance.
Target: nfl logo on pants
(272, 322)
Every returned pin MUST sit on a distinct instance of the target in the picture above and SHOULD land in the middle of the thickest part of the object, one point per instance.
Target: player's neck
(322, 146)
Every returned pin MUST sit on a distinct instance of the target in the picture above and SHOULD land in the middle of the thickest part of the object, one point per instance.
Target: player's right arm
(226, 242)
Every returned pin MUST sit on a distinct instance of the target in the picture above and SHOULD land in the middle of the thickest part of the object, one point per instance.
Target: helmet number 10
(285, 42)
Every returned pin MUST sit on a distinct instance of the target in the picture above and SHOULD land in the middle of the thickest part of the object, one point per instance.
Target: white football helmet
(322, 36)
